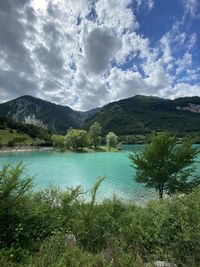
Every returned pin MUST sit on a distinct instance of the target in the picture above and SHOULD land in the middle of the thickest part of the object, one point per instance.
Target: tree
(95, 134)
(77, 139)
(165, 166)
(111, 140)
(58, 141)
(11, 143)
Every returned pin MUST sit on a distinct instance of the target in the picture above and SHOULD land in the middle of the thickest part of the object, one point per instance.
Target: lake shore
(36, 148)
(23, 149)
(89, 149)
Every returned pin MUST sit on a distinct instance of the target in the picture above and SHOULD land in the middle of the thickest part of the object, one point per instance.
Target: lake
(70, 169)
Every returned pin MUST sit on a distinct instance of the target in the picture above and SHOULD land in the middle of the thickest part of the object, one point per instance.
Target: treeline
(42, 135)
(76, 139)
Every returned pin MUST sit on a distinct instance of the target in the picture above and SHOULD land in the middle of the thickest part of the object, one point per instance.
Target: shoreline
(24, 149)
(36, 148)
(87, 150)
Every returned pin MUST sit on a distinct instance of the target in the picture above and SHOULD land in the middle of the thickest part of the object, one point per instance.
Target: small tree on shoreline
(165, 166)
(111, 140)
(95, 134)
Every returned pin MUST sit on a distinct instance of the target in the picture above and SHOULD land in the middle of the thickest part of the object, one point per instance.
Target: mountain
(135, 115)
(143, 114)
(30, 110)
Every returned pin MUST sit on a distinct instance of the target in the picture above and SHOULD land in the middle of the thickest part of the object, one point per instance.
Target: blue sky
(86, 53)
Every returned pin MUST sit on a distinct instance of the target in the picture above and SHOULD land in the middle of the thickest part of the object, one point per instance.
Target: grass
(8, 134)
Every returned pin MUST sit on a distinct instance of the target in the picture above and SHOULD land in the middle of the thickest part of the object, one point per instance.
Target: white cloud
(87, 53)
(145, 3)
(116, 15)
(191, 7)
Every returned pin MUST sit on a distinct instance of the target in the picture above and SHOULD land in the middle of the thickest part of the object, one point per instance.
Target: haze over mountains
(135, 115)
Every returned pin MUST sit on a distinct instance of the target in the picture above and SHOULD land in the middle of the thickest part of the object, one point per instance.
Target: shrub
(33, 227)
(11, 143)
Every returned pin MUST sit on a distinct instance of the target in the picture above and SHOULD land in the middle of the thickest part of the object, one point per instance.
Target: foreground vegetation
(57, 229)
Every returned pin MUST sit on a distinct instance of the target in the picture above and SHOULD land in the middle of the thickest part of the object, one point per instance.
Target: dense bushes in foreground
(57, 229)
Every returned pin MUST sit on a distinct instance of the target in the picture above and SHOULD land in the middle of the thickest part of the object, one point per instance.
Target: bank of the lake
(23, 149)
(89, 149)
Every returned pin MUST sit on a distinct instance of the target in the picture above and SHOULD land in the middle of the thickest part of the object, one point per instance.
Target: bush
(11, 143)
(33, 227)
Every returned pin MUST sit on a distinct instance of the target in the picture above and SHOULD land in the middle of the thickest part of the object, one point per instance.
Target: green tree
(166, 166)
(11, 143)
(58, 141)
(111, 140)
(95, 134)
(77, 139)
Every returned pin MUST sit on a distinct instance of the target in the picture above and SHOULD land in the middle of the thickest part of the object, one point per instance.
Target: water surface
(70, 169)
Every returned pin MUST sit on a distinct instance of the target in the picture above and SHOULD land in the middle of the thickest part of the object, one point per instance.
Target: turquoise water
(72, 169)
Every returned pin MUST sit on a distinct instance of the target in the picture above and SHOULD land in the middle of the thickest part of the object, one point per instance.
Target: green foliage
(13, 191)
(140, 115)
(58, 141)
(30, 130)
(95, 134)
(111, 140)
(6, 135)
(77, 139)
(19, 140)
(34, 227)
(165, 166)
(11, 143)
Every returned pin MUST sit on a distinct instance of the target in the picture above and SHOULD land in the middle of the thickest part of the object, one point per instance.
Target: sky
(86, 53)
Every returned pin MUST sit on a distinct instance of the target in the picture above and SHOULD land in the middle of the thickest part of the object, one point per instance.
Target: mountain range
(136, 115)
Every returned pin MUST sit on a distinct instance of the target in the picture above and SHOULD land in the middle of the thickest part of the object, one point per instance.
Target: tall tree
(166, 166)
(77, 139)
(111, 140)
(95, 134)
(58, 141)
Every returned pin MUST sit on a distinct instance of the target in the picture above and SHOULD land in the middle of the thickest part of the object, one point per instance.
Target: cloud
(116, 14)
(145, 3)
(191, 7)
(86, 53)
(17, 68)
(100, 47)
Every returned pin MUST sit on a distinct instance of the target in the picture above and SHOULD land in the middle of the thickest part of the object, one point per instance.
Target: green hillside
(9, 134)
(22, 133)
(142, 114)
